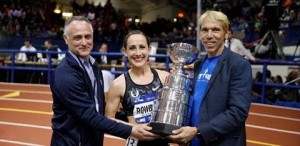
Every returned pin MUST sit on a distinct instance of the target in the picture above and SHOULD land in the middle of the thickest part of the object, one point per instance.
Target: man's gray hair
(75, 18)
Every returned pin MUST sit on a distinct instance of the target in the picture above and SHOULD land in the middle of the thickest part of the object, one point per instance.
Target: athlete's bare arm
(115, 93)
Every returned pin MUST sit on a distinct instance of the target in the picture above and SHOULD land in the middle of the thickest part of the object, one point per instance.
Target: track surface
(25, 120)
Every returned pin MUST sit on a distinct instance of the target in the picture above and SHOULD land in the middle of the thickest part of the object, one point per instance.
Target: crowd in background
(277, 94)
(36, 19)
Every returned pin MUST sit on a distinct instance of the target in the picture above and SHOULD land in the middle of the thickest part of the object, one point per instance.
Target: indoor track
(25, 120)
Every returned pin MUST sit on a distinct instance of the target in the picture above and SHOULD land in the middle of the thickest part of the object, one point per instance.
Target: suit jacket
(75, 120)
(226, 102)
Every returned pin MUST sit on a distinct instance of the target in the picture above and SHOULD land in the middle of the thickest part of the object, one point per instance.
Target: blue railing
(12, 65)
(264, 84)
(49, 66)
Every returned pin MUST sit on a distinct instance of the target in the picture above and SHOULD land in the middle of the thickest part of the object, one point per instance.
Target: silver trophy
(171, 107)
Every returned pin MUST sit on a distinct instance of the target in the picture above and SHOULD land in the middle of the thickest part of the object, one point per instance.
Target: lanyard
(94, 82)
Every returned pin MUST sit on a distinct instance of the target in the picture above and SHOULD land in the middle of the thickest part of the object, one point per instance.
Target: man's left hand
(183, 135)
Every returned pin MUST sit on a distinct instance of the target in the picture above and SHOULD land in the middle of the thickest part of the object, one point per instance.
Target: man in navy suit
(78, 96)
(221, 91)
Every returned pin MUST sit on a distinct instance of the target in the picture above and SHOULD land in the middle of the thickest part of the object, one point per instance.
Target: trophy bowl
(172, 101)
(183, 53)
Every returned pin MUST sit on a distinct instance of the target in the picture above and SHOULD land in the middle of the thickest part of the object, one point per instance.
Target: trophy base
(162, 128)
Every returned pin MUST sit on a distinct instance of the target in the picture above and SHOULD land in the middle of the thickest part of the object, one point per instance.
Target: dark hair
(49, 41)
(269, 74)
(27, 40)
(132, 33)
(279, 78)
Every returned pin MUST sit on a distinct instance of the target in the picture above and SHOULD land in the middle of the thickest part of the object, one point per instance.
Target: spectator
(256, 89)
(269, 91)
(289, 94)
(50, 47)
(154, 47)
(27, 55)
(237, 46)
(108, 78)
(278, 79)
(44, 57)
(103, 59)
(273, 93)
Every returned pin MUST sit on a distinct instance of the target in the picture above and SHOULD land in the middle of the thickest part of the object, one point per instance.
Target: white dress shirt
(22, 56)
(237, 46)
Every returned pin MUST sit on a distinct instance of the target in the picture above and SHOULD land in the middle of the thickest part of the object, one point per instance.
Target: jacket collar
(74, 59)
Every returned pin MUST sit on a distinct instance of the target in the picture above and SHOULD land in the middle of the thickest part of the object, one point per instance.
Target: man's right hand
(142, 132)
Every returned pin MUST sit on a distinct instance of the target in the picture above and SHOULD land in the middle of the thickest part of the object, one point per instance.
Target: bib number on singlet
(142, 112)
(143, 108)
(131, 141)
